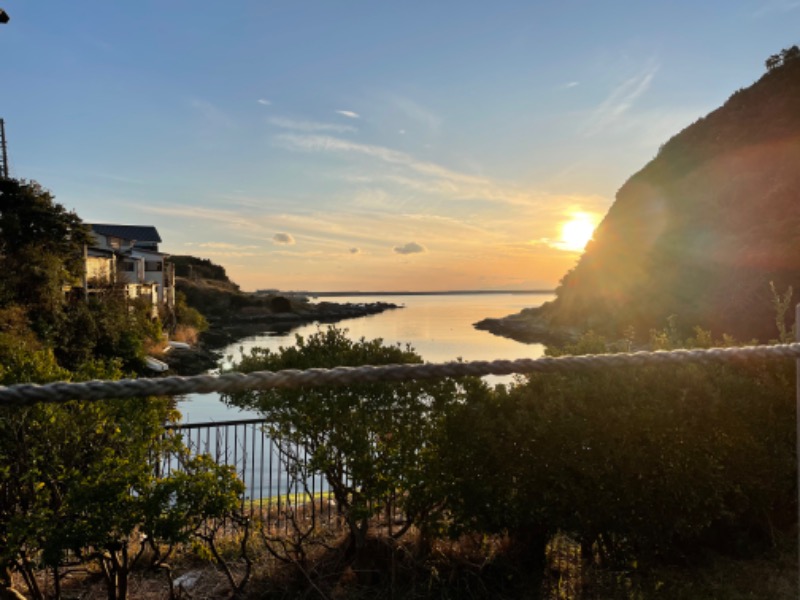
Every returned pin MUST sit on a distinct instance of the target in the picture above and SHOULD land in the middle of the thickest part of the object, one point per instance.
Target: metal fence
(279, 485)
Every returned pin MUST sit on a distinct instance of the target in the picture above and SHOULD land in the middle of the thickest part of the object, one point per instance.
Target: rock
(527, 329)
(280, 304)
(192, 361)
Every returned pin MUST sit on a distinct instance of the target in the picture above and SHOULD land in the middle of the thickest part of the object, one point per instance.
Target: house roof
(142, 253)
(90, 251)
(140, 233)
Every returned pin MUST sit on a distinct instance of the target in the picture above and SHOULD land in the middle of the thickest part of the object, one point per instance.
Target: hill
(702, 229)
(233, 314)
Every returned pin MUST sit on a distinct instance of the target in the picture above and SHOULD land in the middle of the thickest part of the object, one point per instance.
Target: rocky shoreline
(528, 327)
(225, 331)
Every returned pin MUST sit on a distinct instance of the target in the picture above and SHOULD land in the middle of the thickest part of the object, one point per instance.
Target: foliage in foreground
(78, 480)
(371, 441)
(652, 463)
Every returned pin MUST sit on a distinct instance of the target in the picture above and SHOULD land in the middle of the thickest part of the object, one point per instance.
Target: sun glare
(576, 232)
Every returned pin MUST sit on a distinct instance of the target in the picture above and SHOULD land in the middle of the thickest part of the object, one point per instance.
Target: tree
(40, 251)
(77, 480)
(773, 61)
(371, 441)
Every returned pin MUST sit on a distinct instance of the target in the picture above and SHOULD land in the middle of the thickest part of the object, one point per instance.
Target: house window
(153, 265)
(128, 266)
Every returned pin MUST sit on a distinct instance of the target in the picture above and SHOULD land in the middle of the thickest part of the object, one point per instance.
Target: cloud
(410, 248)
(322, 143)
(213, 115)
(310, 126)
(415, 112)
(572, 84)
(777, 6)
(225, 246)
(229, 254)
(116, 178)
(430, 177)
(620, 101)
(264, 102)
(349, 114)
(285, 239)
(354, 250)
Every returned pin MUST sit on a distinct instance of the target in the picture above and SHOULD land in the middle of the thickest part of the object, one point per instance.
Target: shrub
(372, 441)
(654, 462)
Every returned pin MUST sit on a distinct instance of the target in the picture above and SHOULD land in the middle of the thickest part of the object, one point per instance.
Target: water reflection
(439, 328)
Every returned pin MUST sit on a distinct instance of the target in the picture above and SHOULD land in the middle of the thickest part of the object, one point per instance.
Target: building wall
(99, 269)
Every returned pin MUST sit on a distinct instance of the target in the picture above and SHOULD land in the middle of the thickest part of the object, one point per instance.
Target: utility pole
(3, 151)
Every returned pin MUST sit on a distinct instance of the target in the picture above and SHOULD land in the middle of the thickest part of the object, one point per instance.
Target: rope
(26, 394)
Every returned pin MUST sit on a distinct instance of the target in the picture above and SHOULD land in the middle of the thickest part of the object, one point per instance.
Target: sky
(354, 145)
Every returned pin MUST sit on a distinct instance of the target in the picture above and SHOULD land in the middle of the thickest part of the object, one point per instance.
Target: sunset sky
(353, 145)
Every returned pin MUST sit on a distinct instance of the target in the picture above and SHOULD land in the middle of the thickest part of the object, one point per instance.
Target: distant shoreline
(379, 293)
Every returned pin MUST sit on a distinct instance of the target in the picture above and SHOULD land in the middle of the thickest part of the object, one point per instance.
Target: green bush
(188, 315)
(77, 479)
(653, 462)
(372, 441)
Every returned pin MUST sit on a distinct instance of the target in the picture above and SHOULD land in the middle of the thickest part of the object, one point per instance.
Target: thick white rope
(26, 394)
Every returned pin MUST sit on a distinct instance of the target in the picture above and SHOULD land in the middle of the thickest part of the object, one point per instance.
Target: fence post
(797, 429)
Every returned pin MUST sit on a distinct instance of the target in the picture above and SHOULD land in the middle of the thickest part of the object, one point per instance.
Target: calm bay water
(438, 327)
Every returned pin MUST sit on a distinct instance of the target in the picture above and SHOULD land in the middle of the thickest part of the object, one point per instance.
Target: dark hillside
(703, 228)
(193, 268)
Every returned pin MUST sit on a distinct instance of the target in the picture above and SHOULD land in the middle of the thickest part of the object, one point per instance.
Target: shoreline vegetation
(233, 315)
(528, 327)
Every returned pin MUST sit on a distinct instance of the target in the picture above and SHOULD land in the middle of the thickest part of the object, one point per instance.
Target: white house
(127, 256)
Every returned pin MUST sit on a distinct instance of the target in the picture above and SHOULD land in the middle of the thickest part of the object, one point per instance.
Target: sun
(576, 232)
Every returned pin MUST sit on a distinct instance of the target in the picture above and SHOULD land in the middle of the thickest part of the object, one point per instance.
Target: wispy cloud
(349, 114)
(310, 126)
(410, 248)
(776, 6)
(284, 239)
(229, 253)
(212, 114)
(264, 102)
(116, 178)
(424, 175)
(620, 101)
(411, 110)
(572, 84)
(321, 143)
(225, 246)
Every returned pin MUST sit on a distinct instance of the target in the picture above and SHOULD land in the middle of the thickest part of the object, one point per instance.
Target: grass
(773, 576)
(470, 568)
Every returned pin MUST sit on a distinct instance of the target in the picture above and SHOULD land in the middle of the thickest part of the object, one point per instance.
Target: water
(439, 328)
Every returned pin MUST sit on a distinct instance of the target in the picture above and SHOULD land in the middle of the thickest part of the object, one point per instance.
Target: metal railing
(279, 485)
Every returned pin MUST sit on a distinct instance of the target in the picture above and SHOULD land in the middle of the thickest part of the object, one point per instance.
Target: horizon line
(405, 293)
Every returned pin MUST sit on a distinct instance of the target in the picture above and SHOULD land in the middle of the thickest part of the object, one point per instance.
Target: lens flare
(576, 232)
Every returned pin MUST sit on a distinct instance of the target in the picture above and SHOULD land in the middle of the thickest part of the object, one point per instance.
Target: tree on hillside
(40, 250)
(784, 56)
